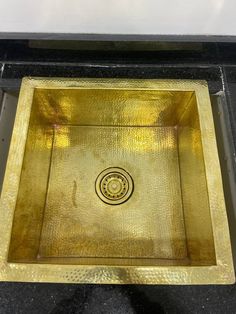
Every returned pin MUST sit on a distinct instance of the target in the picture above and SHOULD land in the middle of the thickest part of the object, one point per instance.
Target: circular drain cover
(114, 186)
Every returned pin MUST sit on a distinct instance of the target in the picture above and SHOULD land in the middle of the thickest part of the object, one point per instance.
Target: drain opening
(114, 186)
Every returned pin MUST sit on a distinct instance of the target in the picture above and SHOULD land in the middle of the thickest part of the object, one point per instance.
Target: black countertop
(213, 62)
(65, 298)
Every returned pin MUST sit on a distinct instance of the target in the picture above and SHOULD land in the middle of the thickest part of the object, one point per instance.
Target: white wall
(157, 17)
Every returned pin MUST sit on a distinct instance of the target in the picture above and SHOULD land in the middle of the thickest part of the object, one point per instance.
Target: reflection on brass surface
(114, 181)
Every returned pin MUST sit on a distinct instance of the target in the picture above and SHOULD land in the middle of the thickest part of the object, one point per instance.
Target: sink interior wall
(197, 217)
(145, 128)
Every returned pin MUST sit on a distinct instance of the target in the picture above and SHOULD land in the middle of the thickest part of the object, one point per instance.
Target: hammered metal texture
(172, 229)
(78, 223)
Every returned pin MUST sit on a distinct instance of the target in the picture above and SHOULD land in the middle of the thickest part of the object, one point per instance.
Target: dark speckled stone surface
(210, 73)
(67, 299)
(230, 74)
(213, 62)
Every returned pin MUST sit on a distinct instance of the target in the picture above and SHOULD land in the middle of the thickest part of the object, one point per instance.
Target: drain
(114, 186)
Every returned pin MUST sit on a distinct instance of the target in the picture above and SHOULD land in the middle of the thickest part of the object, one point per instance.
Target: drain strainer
(114, 186)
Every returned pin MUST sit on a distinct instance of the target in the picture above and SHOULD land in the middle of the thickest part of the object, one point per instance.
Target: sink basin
(114, 181)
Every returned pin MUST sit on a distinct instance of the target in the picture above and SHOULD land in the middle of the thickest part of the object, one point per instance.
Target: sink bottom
(77, 223)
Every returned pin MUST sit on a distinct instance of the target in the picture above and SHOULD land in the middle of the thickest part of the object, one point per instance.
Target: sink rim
(221, 273)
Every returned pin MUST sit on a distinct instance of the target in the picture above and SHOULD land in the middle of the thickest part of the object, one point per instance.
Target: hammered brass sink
(114, 181)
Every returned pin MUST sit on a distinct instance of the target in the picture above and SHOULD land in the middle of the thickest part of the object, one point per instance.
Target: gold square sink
(114, 181)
